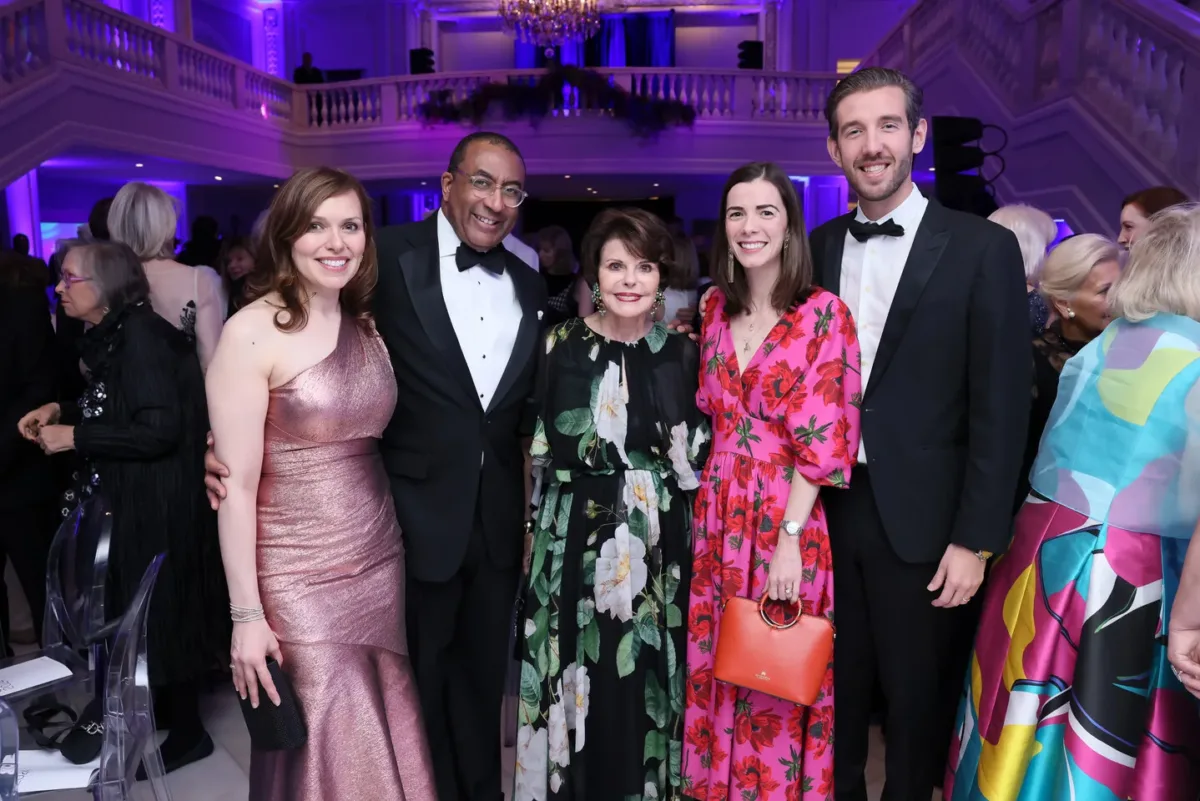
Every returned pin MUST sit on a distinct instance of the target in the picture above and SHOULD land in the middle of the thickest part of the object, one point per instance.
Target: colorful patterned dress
(1070, 694)
(620, 440)
(792, 408)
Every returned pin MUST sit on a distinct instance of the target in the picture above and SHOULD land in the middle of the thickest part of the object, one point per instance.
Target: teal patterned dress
(619, 439)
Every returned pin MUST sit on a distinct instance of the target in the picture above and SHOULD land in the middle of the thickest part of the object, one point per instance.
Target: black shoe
(176, 755)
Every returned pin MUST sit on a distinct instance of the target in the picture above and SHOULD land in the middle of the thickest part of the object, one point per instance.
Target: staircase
(76, 73)
(1099, 98)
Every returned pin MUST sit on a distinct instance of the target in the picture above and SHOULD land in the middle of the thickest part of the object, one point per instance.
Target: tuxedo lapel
(423, 277)
(835, 243)
(525, 289)
(928, 245)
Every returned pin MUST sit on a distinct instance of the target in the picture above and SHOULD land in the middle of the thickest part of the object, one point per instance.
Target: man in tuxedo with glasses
(461, 317)
(462, 320)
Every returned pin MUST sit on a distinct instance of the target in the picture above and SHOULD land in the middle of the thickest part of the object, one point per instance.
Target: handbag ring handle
(762, 612)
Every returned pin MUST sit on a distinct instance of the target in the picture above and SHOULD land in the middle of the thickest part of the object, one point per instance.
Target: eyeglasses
(71, 280)
(512, 196)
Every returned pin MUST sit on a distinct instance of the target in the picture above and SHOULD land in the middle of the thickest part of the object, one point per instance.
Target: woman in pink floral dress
(780, 379)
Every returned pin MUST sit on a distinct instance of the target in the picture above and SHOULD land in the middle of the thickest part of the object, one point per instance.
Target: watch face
(791, 527)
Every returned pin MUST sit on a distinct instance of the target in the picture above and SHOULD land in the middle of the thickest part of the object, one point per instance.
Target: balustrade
(1127, 61)
(38, 33)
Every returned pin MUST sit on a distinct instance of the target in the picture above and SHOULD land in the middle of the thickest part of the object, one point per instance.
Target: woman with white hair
(1070, 694)
(1075, 280)
(1035, 231)
(190, 298)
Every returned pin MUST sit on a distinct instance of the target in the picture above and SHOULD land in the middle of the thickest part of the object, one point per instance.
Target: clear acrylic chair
(76, 572)
(129, 729)
(10, 733)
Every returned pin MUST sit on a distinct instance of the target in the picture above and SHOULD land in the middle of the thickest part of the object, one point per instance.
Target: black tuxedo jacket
(445, 454)
(946, 407)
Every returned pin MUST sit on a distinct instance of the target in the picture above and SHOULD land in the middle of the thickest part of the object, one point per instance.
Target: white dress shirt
(484, 311)
(522, 251)
(871, 273)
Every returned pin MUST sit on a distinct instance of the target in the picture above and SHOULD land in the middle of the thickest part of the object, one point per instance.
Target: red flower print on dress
(759, 729)
(700, 620)
(829, 387)
(754, 776)
(802, 420)
(700, 736)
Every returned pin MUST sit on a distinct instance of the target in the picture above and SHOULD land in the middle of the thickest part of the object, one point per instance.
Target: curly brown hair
(288, 218)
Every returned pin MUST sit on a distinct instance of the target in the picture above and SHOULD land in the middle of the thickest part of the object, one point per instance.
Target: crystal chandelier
(550, 23)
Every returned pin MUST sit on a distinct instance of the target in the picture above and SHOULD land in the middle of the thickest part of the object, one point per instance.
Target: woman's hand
(214, 475)
(29, 425)
(1183, 649)
(252, 644)
(706, 299)
(56, 438)
(786, 570)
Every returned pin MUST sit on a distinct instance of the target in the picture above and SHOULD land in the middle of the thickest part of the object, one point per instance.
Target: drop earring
(1070, 313)
(659, 300)
(731, 264)
(597, 299)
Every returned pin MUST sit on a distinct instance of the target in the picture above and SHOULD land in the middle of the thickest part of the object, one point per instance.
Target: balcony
(1093, 94)
(75, 73)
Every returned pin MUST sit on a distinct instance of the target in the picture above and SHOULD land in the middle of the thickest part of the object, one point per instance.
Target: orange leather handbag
(784, 660)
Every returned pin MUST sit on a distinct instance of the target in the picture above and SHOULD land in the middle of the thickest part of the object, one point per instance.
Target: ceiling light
(566, 176)
(276, 186)
(423, 183)
(217, 177)
(656, 185)
(139, 164)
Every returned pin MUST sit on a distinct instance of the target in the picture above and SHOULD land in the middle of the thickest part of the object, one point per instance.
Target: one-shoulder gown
(331, 577)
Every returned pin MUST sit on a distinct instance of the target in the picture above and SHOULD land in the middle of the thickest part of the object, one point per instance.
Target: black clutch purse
(275, 728)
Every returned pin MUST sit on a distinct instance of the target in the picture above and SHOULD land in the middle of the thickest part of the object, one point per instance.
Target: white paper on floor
(34, 673)
(39, 771)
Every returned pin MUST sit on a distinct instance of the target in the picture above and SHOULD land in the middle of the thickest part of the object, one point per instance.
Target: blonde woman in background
(190, 298)
(1070, 694)
(1075, 280)
(1035, 231)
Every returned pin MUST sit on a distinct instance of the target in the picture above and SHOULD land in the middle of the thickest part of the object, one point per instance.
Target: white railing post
(389, 103)
(238, 95)
(56, 29)
(171, 65)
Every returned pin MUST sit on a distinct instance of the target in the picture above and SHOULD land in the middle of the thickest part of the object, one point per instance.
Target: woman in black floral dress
(618, 439)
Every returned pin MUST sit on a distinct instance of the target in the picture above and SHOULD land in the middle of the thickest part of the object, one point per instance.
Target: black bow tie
(468, 257)
(862, 231)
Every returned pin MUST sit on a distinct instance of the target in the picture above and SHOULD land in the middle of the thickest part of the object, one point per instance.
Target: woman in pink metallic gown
(299, 391)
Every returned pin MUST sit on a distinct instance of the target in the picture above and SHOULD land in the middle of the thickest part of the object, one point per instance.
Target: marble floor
(223, 776)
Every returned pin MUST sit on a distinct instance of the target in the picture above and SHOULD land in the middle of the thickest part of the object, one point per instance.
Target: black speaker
(420, 61)
(750, 55)
(958, 165)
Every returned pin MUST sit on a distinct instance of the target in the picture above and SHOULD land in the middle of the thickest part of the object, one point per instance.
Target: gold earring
(731, 264)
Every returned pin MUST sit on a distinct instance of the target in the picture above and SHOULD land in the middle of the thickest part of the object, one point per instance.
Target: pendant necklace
(750, 336)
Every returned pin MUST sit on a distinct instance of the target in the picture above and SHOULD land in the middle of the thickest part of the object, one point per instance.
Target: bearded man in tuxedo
(939, 300)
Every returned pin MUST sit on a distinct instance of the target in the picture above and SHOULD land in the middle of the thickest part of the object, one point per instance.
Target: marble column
(24, 211)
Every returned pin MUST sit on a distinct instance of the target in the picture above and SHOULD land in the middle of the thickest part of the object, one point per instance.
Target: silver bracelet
(246, 614)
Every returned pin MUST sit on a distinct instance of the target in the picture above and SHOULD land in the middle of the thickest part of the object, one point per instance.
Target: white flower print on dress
(679, 453)
(530, 772)
(560, 746)
(640, 494)
(610, 416)
(577, 688)
(620, 574)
